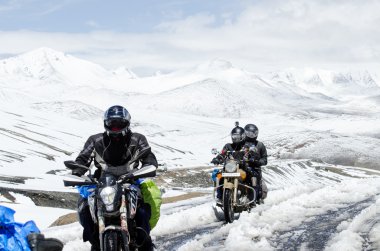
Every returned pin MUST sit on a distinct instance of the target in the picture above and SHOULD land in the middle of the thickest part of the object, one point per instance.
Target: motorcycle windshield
(117, 170)
(107, 179)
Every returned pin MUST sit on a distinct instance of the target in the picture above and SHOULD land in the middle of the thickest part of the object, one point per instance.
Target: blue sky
(115, 15)
(149, 35)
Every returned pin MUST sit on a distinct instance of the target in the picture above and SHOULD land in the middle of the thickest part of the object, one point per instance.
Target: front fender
(228, 185)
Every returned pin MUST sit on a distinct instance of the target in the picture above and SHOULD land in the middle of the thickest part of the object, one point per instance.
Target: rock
(65, 219)
(67, 200)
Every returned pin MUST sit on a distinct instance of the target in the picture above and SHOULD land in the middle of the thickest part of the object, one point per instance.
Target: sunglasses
(117, 124)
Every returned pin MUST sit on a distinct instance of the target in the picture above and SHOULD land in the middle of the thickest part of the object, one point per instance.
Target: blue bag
(13, 235)
(85, 191)
(214, 173)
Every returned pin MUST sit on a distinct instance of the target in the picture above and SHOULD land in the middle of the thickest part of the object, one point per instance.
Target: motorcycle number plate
(230, 174)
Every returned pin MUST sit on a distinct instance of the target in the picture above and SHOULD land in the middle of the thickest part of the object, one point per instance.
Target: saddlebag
(152, 195)
(38, 242)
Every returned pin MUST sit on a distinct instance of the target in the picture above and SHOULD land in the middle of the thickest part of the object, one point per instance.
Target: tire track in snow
(368, 245)
(174, 208)
(314, 234)
(174, 241)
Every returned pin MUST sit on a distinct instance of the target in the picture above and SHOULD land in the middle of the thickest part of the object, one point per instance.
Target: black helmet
(237, 134)
(117, 120)
(251, 132)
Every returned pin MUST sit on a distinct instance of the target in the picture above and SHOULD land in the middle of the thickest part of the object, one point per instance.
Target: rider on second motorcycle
(247, 148)
(256, 157)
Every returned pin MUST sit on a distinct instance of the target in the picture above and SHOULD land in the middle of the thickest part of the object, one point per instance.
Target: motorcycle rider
(257, 157)
(114, 147)
(238, 141)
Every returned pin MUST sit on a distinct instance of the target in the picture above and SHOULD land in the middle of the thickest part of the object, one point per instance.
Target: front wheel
(228, 206)
(112, 241)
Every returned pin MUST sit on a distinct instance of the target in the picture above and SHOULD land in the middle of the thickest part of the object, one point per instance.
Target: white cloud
(267, 33)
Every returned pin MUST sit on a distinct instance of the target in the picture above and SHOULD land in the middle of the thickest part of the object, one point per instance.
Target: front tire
(112, 241)
(228, 206)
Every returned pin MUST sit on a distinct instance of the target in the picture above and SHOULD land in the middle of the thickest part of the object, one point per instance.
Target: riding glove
(215, 161)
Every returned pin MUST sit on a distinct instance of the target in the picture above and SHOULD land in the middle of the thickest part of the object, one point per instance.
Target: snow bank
(186, 218)
(70, 235)
(350, 235)
(254, 230)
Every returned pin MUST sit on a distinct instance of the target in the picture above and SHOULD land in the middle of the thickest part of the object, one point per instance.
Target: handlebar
(147, 171)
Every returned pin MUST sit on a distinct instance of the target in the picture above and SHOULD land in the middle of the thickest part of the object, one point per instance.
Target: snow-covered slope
(220, 90)
(209, 97)
(198, 103)
(73, 109)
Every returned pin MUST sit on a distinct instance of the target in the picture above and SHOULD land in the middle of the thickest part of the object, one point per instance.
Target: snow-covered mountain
(214, 88)
(47, 68)
(50, 83)
(330, 83)
(46, 65)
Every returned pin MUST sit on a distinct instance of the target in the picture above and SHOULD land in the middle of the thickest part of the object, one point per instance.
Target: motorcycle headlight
(108, 195)
(230, 167)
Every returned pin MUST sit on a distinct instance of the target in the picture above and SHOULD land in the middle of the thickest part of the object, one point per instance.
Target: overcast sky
(150, 35)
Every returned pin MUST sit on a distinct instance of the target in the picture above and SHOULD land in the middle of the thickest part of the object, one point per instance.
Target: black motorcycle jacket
(115, 152)
(257, 153)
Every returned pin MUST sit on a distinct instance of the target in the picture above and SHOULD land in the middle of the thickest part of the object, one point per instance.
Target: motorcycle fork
(124, 222)
(92, 206)
(236, 183)
(123, 214)
(101, 227)
(228, 185)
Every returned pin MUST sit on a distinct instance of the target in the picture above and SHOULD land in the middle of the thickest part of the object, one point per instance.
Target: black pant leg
(259, 188)
(90, 229)
(142, 220)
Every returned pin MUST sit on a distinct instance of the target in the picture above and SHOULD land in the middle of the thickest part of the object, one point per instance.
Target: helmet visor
(250, 134)
(116, 125)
